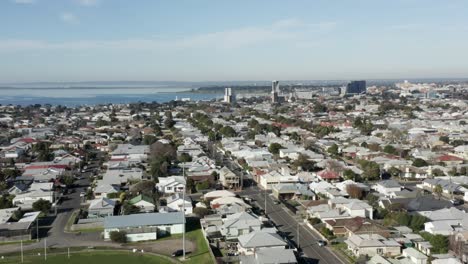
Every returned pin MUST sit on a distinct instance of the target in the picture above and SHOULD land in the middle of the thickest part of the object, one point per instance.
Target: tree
(438, 190)
(350, 175)
(438, 172)
(201, 212)
(42, 206)
(390, 149)
(128, 209)
(145, 187)
(185, 157)
(333, 149)
(118, 236)
(444, 139)
(304, 162)
(68, 180)
(228, 131)
(394, 172)
(354, 191)
(274, 148)
(190, 185)
(419, 163)
(149, 139)
(5, 201)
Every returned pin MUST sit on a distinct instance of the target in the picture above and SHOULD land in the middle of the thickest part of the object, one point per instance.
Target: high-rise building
(229, 96)
(274, 92)
(356, 87)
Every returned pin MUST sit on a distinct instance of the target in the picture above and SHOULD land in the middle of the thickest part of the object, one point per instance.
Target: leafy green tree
(228, 131)
(149, 139)
(42, 206)
(68, 180)
(274, 148)
(333, 149)
(185, 157)
(304, 162)
(128, 209)
(438, 190)
(201, 212)
(118, 236)
(390, 149)
(444, 139)
(5, 201)
(350, 175)
(394, 172)
(419, 163)
(190, 185)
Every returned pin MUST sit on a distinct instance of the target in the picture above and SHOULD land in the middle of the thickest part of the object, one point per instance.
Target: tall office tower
(356, 87)
(229, 96)
(274, 91)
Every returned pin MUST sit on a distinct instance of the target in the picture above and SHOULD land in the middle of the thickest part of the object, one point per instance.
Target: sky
(219, 40)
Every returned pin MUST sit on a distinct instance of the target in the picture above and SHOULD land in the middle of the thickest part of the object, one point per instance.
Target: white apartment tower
(229, 96)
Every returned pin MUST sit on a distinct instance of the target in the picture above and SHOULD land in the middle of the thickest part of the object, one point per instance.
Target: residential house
(387, 187)
(269, 255)
(171, 185)
(293, 191)
(240, 224)
(264, 238)
(228, 178)
(143, 202)
(372, 244)
(101, 207)
(175, 203)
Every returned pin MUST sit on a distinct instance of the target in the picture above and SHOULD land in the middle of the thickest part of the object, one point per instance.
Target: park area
(95, 257)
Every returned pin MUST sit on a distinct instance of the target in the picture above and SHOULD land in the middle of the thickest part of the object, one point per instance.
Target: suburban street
(290, 224)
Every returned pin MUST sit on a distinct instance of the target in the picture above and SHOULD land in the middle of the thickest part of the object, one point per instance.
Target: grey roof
(137, 220)
(260, 238)
(389, 184)
(270, 255)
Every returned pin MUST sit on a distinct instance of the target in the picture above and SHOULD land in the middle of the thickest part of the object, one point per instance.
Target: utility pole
(22, 259)
(37, 229)
(45, 248)
(298, 239)
(183, 213)
(68, 252)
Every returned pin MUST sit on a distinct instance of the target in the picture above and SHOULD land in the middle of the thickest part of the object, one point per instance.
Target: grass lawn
(111, 257)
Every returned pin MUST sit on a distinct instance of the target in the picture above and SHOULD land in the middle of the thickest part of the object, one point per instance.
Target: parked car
(178, 253)
(456, 202)
(321, 243)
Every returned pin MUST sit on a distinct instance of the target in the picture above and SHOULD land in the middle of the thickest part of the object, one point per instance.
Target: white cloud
(24, 1)
(88, 2)
(68, 18)
(283, 31)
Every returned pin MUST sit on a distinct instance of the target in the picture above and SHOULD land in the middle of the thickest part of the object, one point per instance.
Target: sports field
(102, 257)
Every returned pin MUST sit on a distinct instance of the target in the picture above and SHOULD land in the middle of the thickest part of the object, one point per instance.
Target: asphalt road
(293, 225)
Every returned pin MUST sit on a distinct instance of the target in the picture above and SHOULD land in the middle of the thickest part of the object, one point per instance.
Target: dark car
(456, 202)
(178, 253)
(321, 243)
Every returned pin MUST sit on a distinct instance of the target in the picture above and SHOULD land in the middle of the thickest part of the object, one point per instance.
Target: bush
(42, 206)
(327, 233)
(314, 221)
(201, 212)
(118, 237)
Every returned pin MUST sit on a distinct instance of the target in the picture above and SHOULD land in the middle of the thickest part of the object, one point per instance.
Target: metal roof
(137, 220)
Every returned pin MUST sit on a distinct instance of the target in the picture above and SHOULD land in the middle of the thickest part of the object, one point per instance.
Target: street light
(183, 213)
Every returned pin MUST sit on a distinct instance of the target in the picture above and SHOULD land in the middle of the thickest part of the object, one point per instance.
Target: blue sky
(211, 40)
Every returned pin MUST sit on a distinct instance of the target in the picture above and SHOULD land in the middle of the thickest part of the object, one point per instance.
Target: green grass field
(105, 257)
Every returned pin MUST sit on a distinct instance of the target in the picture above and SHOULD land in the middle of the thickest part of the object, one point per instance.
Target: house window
(380, 251)
(169, 188)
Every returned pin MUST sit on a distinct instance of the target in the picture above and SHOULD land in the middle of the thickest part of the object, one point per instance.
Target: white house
(175, 203)
(170, 185)
(387, 187)
(264, 238)
(373, 244)
(143, 202)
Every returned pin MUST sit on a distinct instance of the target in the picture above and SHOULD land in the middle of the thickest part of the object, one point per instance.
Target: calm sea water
(92, 96)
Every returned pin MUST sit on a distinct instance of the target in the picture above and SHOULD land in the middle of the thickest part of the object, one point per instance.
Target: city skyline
(99, 40)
